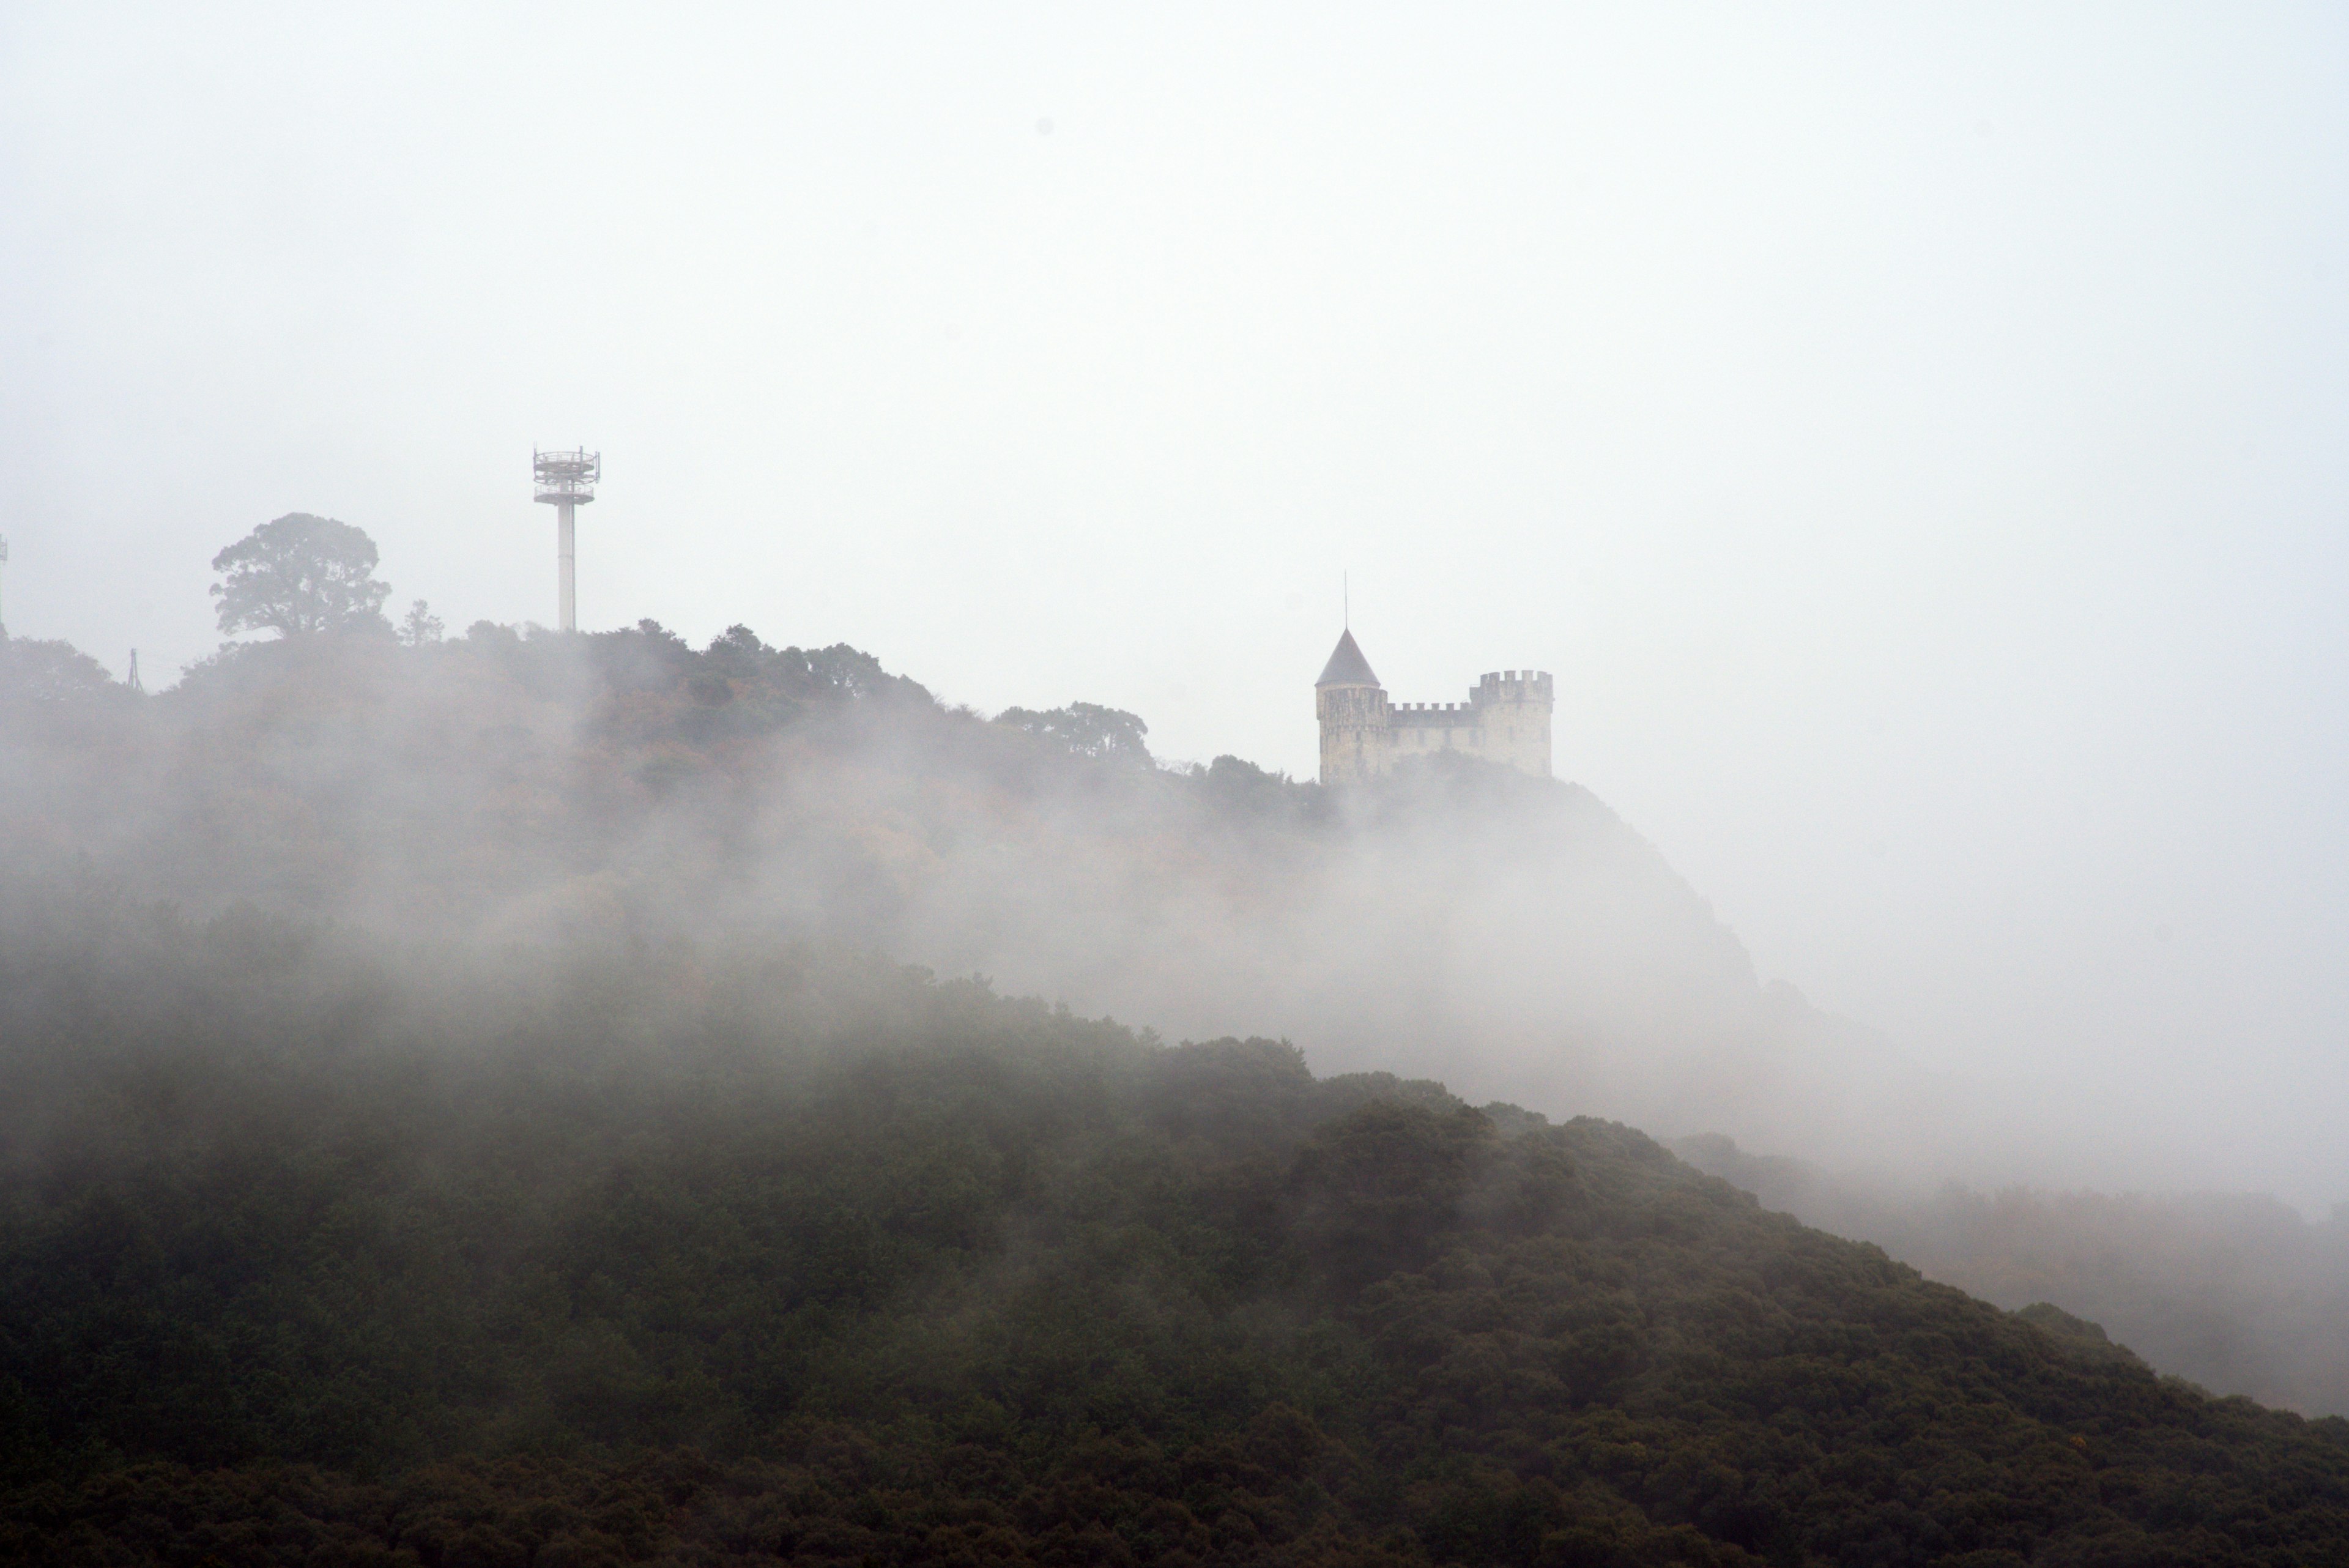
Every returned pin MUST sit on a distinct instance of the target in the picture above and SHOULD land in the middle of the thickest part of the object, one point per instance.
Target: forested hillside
(465, 1105)
(2236, 1291)
(315, 1250)
(1510, 936)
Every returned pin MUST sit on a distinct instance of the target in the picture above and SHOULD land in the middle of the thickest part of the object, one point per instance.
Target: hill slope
(1510, 935)
(322, 1252)
(2235, 1291)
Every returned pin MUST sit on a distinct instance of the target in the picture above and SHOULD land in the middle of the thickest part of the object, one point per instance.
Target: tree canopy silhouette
(300, 574)
(1084, 730)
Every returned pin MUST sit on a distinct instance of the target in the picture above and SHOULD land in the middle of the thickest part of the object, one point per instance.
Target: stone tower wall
(1513, 708)
(1354, 731)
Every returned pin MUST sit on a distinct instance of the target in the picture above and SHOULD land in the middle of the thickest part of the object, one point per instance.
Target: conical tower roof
(1347, 667)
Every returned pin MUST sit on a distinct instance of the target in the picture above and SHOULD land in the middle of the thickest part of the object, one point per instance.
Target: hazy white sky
(1915, 441)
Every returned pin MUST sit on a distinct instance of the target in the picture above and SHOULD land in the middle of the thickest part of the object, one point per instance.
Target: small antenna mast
(1345, 601)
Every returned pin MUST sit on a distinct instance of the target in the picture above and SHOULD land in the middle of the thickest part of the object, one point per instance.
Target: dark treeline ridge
(320, 1250)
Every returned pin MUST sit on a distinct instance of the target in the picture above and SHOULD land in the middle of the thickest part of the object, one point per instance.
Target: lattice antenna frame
(566, 476)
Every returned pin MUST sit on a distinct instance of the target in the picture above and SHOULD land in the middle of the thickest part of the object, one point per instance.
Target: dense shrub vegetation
(317, 1252)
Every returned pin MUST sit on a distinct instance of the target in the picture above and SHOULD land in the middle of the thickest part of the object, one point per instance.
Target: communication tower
(134, 683)
(566, 480)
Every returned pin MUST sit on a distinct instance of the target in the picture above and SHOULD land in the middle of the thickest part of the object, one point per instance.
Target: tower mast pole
(567, 550)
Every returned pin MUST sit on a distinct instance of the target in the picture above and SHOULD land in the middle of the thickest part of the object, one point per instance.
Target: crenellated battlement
(1432, 714)
(1513, 686)
(1506, 720)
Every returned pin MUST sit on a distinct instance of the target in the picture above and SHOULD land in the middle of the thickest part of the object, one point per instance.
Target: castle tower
(1512, 709)
(1352, 709)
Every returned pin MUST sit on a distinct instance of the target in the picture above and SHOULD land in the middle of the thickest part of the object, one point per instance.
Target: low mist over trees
(1509, 934)
(2235, 1291)
(480, 1068)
